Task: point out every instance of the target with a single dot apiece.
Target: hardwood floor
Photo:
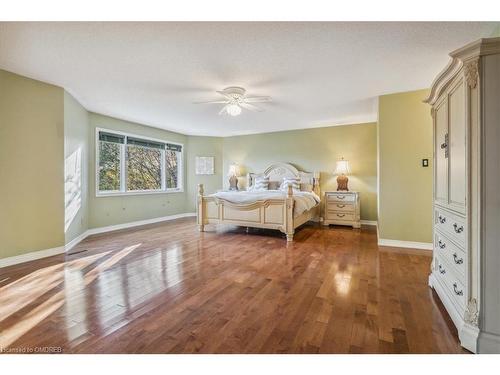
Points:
(166, 288)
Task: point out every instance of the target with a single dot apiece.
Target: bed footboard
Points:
(268, 213)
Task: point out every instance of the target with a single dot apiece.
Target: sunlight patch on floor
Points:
(52, 304)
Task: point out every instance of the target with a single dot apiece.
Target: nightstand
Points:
(342, 208)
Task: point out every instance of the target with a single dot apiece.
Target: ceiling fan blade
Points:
(213, 102)
(257, 99)
(223, 110)
(251, 107)
(226, 95)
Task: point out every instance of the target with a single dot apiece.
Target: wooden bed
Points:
(275, 213)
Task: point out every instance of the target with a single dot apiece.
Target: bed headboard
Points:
(277, 171)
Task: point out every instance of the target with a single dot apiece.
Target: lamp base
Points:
(342, 181)
(233, 183)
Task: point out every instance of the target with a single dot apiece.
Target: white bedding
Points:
(303, 200)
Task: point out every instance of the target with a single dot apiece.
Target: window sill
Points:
(121, 194)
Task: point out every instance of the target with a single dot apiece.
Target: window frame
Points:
(123, 167)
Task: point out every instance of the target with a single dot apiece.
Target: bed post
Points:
(289, 229)
(201, 213)
(317, 190)
(316, 187)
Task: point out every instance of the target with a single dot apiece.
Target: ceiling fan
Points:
(235, 99)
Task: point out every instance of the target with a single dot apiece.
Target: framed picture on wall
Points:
(204, 165)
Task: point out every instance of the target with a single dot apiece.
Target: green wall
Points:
(39, 178)
(76, 163)
(314, 150)
(105, 211)
(31, 167)
(405, 187)
(203, 146)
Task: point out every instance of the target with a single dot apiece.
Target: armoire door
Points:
(441, 152)
(457, 131)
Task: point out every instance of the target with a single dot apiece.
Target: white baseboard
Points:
(75, 241)
(5, 262)
(468, 336)
(34, 255)
(369, 222)
(489, 343)
(405, 244)
(132, 224)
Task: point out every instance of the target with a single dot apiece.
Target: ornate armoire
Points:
(465, 100)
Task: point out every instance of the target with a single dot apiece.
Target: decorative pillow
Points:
(294, 181)
(306, 187)
(261, 183)
(274, 185)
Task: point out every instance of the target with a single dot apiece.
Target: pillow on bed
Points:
(274, 185)
(261, 183)
(306, 187)
(294, 181)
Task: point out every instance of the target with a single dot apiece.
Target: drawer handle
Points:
(340, 215)
(441, 244)
(340, 205)
(457, 228)
(457, 292)
(457, 261)
(442, 270)
(442, 219)
(340, 196)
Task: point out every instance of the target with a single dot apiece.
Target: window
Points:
(109, 161)
(131, 164)
(172, 158)
(143, 165)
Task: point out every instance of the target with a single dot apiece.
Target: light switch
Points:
(425, 162)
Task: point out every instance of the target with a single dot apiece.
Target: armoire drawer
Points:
(451, 224)
(452, 253)
(453, 283)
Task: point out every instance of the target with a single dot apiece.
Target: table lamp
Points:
(234, 172)
(342, 169)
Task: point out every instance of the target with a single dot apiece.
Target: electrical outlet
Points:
(425, 162)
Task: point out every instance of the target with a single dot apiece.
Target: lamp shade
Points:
(342, 167)
(234, 170)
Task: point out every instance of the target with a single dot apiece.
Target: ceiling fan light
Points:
(233, 109)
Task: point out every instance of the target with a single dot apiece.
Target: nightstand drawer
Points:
(339, 216)
(342, 207)
(340, 197)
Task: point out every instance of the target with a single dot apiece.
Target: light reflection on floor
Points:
(22, 292)
(158, 272)
(56, 275)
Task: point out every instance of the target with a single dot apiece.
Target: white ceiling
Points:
(318, 74)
